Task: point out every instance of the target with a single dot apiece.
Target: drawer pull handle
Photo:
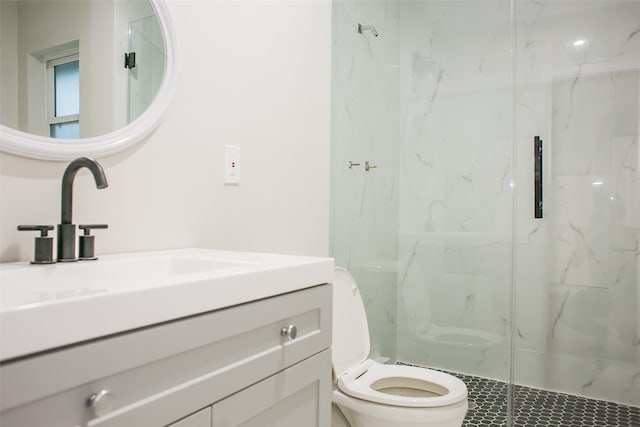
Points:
(101, 403)
(290, 332)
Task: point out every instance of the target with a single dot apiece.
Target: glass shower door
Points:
(577, 267)
(458, 270)
(145, 39)
(364, 200)
(456, 190)
(428, 233)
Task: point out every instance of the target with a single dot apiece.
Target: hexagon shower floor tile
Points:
(540, 408)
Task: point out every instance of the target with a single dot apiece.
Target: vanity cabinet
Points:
(201, 418)
(238, 366)
(291, 398)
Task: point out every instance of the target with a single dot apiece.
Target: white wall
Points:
(254, 74)
(8, 65)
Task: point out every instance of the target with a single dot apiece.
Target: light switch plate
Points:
(232, 164)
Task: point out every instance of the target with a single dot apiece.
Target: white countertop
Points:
(47, 306)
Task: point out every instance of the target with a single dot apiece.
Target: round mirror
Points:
(82, 78)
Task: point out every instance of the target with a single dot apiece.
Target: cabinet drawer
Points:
(166, 371)
(199, 419)
(299, 396)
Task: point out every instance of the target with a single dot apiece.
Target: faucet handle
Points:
(86, 247)
(43, 253)
(88, 227)
(43, 229)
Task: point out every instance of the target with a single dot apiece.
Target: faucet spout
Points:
(66, 229)
(67, 183)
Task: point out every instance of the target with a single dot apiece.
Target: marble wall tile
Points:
(457, 353)
(574, 374)
(584, 252)
(453, 281)
(577, 269)
(455, 203)
(625, 189)
(453, 317)
(592, 322)
(531, 298)
(577, 101)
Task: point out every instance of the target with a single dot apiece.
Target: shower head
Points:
(371, 28)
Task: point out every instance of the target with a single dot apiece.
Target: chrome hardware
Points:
(368, 166)
(290, 332)
(351, 164)
(101, 403)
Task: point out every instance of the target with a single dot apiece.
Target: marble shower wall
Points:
(436, 102)
(577, 288)
(365, 127)
(456, 198)
(576, 270)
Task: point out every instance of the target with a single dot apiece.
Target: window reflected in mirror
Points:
(62, 73)
(63, 85)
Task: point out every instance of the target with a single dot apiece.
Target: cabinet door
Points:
(298, 396)
(199, 419)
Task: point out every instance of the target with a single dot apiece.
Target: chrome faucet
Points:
(67, 230)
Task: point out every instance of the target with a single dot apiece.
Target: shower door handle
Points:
(537, 177)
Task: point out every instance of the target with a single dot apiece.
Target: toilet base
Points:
(360, 413)
(337, 417)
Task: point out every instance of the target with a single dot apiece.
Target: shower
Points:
(460, 267)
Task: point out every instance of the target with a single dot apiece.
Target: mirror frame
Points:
(24, 144)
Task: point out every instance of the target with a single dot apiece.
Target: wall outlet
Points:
(232, 164)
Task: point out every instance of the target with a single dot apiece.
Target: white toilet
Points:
(371, 394)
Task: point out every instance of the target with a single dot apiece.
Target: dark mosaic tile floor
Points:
(541, 408)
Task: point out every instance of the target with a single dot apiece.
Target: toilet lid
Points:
(351, 343)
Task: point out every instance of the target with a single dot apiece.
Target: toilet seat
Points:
(366, 381)
(362, 378)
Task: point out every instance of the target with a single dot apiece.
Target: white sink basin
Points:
(47, 306)
(30, 284)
